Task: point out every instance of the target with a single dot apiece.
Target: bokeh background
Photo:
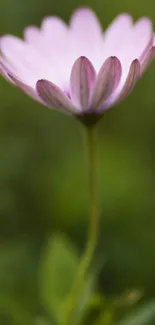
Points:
(43, 178)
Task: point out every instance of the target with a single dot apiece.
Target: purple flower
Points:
(78, 69)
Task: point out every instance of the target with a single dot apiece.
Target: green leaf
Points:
(18, 287)
(14, 312)
(93, 310)
(57, 274)
(144, 315)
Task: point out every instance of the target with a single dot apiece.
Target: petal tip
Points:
(83, 58)
(40, 82)
(115, 58)
(82, 10)
(81, 14)
(135, 65)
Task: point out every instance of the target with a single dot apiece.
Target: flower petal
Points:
(10, 76)
(82, 20)
(116, 35)
(146, 50)
(25, 60)
(142, 37)
(53, 96)
(82, 81)
(107, 81)
(50, 24)
(5, 69)
(32, 35)
(147, 60)
(15, 50)
(137, 43)
(25, 88)
(86, 36)
(133, 76)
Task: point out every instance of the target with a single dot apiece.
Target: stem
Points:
(94, 205)
(93, 228)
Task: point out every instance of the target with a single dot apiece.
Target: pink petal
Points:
(32, 34)
(20, 56)
(51, 24)
(133, 76)
(14, 49)
(86, 35)
(127, 41)
(25, 88)
(5, 69)
(147, 60)
(50, 42)
(143, 34)
(53, 96)
(82, 81)
(137, 43)
(7, 73)
(83, 19)
(116, 35)
(55, 36)
(30, 63)
(107, 81)
(57, 48)
(146, 50)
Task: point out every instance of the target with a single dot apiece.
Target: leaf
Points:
(14, 312)
(144, 315)
(90, 299)
(93, 310)
(18, 287)
(57, 274)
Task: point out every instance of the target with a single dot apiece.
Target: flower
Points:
(78, 69)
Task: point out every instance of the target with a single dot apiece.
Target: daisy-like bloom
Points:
(78, 69)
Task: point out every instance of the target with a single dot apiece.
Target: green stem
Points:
(93, 228)
(94, 204)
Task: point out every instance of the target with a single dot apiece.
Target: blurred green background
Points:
(43, 177)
